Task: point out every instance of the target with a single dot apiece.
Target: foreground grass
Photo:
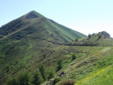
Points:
(101, 71)
(100, 77)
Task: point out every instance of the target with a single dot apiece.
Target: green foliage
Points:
(12, 81)
(42, 71)
(56, 80)
(7, 69)
(67, 82)
(50, 74)
(45, 55)
(76, 40)
(89, 36)
(99, 37)
(59, 64)
(73, 57)
(24, 78)
(37, 78)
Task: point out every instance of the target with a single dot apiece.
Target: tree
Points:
(76, 40)
(50, 74)
(89, 36)
(99, 37)
(56, 80)
(23, 78)
(59, 64)
(73, 57)
(7, 69)
(42, 71)
(37, 78)
(12, 81)
(44, 55)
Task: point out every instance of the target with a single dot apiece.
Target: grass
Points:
(94, 40)
(101, 77)
(24, 49)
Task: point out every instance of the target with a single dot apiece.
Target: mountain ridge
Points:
(34, 17)
(25, 40)
(34, 40)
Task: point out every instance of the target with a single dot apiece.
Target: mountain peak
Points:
(32, 14)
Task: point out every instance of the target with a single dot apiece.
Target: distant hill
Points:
(98, 39)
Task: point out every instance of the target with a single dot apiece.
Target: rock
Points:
(50, 82)
(106, 35)
(61, 74)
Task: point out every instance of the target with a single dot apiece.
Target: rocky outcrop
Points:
(105, 34)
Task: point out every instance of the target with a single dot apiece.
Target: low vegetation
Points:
(67, 82)
(35, 50)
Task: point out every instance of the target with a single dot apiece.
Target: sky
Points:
(85, 16)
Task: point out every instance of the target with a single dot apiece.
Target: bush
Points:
(37, 78)
(50, 74)
(59, 64)
(12, 81)
(24, 78)
(73, 57)
(45, 55)
(99, 37)
(67, 82)
(7, 69)
(76, 40)
(42, 71)
(56, 80)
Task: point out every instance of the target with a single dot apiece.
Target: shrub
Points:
(12, 81)
(67, 82)
(76, 40)
(59, 64)
(37, 78)
(7, 69)
(56, 80)
(50, 74)
(99, 37)
(23, 78)
(73, 57)
(89, 36)
(45, 55)
(42, 71)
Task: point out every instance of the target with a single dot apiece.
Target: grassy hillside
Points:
(99, 39)
(88, 64)
(37, 21)
(25, 41)
(32, 41)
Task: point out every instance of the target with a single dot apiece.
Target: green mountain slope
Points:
(33, 40)
(24, 41)
(39, 23)
(99, 39)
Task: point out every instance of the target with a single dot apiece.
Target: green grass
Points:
(99, 76)
(94, 40)
(24, 49)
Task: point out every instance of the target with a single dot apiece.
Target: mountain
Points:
(25, 41)
(36, 24)
(35, 50)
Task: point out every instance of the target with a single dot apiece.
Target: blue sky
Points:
(85, 16)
